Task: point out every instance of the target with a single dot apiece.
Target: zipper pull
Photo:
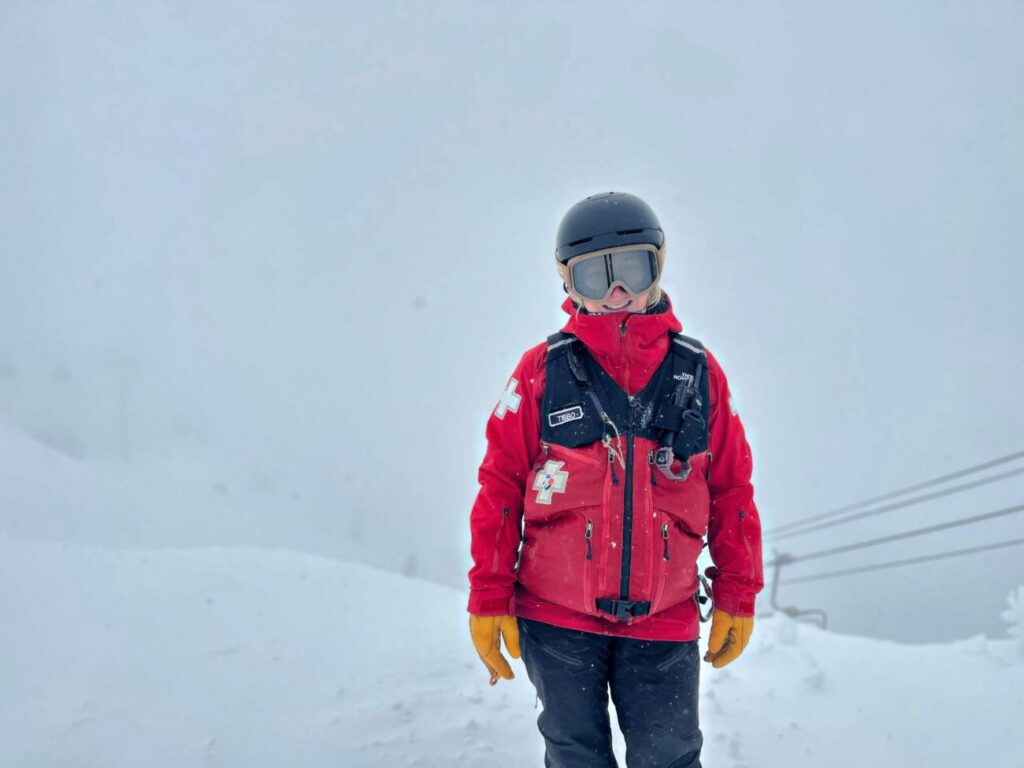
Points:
(650, 460)
(545, 449)
(587, 535)
(611, 461)
(664, 535)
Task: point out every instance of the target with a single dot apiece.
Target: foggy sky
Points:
(314, 240)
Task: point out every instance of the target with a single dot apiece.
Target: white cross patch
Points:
(509, 400)
(550, 479)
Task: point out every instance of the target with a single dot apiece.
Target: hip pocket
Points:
(556, 642)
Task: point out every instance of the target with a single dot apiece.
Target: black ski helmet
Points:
(606, 220)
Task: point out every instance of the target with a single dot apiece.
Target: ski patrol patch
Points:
(550, 479)
(509, 400)
(564, 416)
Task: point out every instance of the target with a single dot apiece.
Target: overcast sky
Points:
(316, 238)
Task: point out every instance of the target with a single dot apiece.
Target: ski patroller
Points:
(613, 453)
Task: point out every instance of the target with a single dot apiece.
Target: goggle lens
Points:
(595, 276)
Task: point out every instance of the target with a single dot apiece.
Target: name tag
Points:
(564, 416)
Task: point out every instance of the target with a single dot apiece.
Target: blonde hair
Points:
(654, 298)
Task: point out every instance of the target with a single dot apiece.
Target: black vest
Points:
(582, 404)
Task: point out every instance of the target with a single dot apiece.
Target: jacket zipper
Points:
(623, 355)
(497, 540)
(627, 505)
(664, 535)
(746, 543)
(578, 456)
(587, 535)
(627, 520)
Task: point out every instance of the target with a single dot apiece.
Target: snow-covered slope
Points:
(248, 657)
(239, 657)
(118, 650)
(182, 501)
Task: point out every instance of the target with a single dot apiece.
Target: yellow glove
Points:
(729, 636)
(487, 632)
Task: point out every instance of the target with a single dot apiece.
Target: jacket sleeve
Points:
(513, 440)
(734, 530)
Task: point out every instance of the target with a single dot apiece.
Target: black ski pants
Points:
(654, 685)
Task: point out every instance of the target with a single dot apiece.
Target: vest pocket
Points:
(688, 501)
(558, 559)
(679, 512)
(675, 569)
(564, 479)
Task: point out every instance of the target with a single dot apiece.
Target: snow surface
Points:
(120, 652)
(236, 656)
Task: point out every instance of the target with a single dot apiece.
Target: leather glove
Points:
(729, 636)
(487, 632)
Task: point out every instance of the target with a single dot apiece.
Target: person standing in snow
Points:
(613, 452)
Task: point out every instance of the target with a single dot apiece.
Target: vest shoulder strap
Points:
(560, 345)
(559, 341)
(687, 342)
(683, 414)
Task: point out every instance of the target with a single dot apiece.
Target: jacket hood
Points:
(628, 345)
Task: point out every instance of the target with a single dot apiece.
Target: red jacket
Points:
(667, 520)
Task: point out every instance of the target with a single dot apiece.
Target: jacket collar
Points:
(630, 356)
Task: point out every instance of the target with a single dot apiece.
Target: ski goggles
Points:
(595, 275)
